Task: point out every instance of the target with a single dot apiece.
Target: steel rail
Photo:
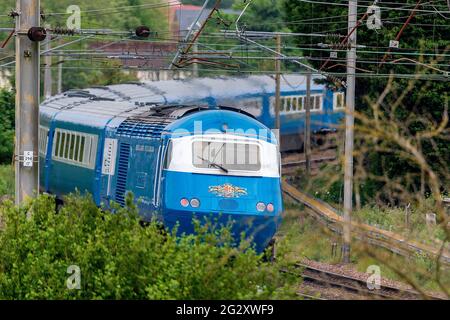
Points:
(359, 286)
(379, 237)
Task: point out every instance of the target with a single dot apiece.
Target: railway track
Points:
(375, 236)
(353, 285)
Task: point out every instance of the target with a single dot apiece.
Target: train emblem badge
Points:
(228, 191)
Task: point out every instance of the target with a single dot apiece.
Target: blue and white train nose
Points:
(223, 178)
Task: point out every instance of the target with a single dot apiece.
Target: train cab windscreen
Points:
(226, 156)
(223, 155)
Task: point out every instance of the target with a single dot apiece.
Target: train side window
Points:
(43, 140)
(67, 145)
(75, 148)
(339, 101)
(288, 104)
(283, 101)
(57, 142)
(300, 104)
(62, 144)
(318, 103)
(168, 157)
(312, 100)
(294, 103)
(82, 146)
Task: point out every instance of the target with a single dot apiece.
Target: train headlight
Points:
(195, 203)
(184, 202)
(270, 207)
(261, 207)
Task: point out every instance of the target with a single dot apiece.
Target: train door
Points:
(133, 170)
(141, 179)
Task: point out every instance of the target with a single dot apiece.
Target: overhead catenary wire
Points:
(417, 76)
(297, 51)
(367, 6)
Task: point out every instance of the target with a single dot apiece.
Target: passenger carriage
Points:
(179, 162)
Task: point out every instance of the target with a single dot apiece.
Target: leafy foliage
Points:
(414, 106)
(6, 125)
(6, 181)
(120, 259)
(262, 15)
(119, 15)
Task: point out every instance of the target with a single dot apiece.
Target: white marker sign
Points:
(394, 44)
(28, 158)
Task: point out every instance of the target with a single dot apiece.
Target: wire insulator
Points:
(14, 13)
(65, 31)
(142, 31)
(333, 38)
(37, 34)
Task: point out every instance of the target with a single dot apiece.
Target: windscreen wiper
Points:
(213, 164)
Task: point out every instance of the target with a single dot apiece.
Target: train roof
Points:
(97, 106)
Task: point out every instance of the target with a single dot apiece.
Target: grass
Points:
(327, 185)
(394, 219)
(303, 236)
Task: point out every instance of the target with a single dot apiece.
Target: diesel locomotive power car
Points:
(179, 161)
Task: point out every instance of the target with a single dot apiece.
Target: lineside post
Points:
(60, 66)
(278, 88)
(349, 129)
(27, 102)
(48, 81)
(307, 135)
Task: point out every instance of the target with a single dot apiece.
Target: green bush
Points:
(120, 259)
(6, 180)
(6, 125)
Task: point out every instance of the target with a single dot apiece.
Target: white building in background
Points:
(180, 18)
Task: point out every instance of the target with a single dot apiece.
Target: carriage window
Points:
(339, 100)
(226, 156)
(312, 100)
(168, 157)
(43, 140)
(300, 103)
(75, 148)
(318, 103)
(294, 103)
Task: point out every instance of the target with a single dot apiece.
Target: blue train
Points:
(200, 147)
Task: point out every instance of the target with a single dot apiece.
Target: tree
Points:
(120, 15)
(262, 15)
(224, 4)
(6, 125)
(421, 109)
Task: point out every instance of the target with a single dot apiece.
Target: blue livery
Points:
(193, 148)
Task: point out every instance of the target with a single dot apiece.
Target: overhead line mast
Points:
(27, 99)
(349, 128)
